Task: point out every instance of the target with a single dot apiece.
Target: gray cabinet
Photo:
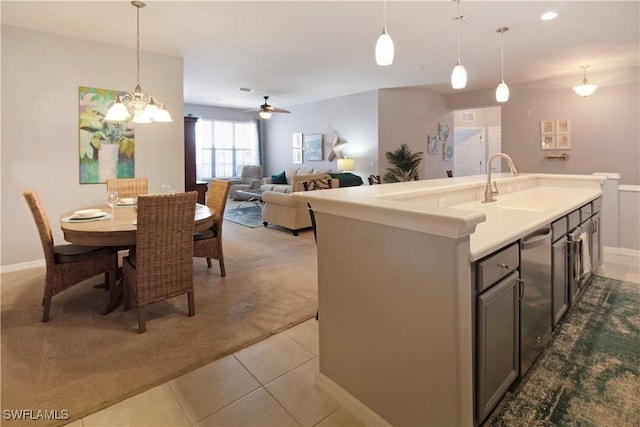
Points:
(497, 327)
(559, 279)
(498, 342)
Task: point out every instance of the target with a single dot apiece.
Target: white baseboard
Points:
(356, 408)
(622, 251)
(22, 266)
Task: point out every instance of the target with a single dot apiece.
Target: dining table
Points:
(117, 229)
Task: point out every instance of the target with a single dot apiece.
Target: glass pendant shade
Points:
(118, 112)
(585, 89)
(459, 77)
(384, 49)
(265, 114)
(502, 92)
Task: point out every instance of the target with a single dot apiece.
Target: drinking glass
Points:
(112, 199)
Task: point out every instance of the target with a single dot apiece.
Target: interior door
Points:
(469, 149)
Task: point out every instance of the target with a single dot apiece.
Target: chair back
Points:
(217, 201)
(128, 187)
(42, 224)
(164, 245)
(374, 179)
(450, 174)
(250, 172)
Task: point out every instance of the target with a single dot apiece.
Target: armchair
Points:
(250, 177)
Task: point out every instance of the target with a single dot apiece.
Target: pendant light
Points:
(502, 91)
(384, 45)
(145, 108)
(459, 74)
(585, 89)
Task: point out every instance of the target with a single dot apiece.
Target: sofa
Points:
(293, 176)
(280, 208)
(250, 178)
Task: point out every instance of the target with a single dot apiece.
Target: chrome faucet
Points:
(488, 191)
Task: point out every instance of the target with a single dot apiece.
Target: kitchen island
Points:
(397, 286)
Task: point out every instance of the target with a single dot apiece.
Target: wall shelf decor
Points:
(556, 156)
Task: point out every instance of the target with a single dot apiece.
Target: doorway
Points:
(476, 136)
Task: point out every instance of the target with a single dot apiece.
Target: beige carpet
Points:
(81, 361)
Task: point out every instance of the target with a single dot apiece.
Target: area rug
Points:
(80, 362)
(248, 215)
(590, 374)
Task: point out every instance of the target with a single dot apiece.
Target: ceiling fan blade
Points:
(278, 110)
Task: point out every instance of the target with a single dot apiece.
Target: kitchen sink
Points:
(533, 204)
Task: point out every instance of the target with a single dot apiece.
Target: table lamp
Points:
(346, 165)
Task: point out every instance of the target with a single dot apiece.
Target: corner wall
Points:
(41, 74)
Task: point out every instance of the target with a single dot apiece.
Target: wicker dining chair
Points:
(68, 265)
(208, 244)
(128, 187)
(161, 266)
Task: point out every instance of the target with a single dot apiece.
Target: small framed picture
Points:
(563, 142)
(547, 127)
(297, 156)
(432, 144)
(563, 127)
(443, 131)
(297, 140)
(548, 142)
(447, 152)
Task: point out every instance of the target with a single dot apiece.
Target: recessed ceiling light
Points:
(547, 16)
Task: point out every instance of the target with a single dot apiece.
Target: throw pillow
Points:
(280, 178)
(317, 184)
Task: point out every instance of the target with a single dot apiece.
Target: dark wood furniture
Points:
(190, 183)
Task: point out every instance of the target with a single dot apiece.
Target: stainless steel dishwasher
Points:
(535, 296)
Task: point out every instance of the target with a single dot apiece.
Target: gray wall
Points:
(41, 75)
(605, 128)
(408, 115)
(353, 117)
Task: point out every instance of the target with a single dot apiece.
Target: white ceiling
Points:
(304, 51)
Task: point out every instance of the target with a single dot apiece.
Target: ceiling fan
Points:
(266, 110)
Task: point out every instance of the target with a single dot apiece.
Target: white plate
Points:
(127, 202)
(87, 213)
(98, 214)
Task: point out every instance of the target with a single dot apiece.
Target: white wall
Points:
(353, 117)
(41, 74)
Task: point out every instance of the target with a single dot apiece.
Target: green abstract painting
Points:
(106, 148)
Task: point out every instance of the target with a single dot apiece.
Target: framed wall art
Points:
(297, 140)
(297, 156)
(563, 127)
(547, 127)
(443, 131)
(312, 146)
(432, 144)
(107, 149)
(548, 142)
(447, 152)
(563, 142)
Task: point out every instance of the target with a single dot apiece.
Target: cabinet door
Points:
(596, 256)
(498, 314)
(559, 280)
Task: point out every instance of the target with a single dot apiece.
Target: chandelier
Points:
(145, 108)
(585, 89)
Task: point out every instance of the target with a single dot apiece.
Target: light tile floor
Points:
(270, 383)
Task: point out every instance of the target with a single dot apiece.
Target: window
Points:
(222, 146)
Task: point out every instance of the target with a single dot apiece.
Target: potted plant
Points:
(405, 164)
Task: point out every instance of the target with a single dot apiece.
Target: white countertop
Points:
(452, 207)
